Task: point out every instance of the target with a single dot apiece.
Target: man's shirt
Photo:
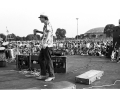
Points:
(47, 35)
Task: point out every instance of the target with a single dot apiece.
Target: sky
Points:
(21, 16)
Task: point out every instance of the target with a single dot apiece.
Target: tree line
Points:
(60, 34)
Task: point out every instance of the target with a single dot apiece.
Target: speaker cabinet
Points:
(59, 63)
(32, 62)
(23, 62)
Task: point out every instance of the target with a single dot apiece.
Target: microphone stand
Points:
(30, 55)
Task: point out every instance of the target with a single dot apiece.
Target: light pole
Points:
(7, 33)
(77, 27)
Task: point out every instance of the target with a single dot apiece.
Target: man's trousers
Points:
(45, 62)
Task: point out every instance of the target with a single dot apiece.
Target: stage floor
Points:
(10, 78)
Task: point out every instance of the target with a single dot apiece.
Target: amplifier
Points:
(22, 62)
(58, 52)
(34, 62)
(59, 63)
(3, 63)
(89, 77)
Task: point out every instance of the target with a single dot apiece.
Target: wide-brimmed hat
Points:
(43, 16)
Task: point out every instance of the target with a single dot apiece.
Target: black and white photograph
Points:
(59, 44)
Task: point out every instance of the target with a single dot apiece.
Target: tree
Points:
(37, 37)
(32, 37)
(108, 30)
(3, 36)
(11, 37)
(77, 37)
(29, 37)
(18, 38)
(86, 36)
(60, 33)
(81, 36)
(54, 38)
(23, 38)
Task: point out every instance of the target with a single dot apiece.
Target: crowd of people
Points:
(86, 47)
(68, 47)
